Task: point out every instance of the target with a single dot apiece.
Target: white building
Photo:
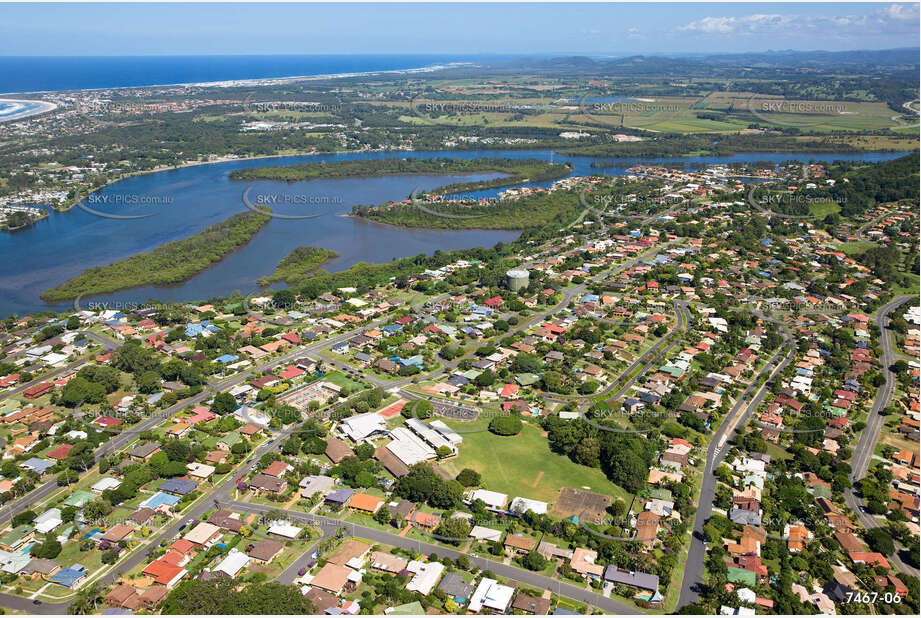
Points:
(235, 562)
(426, 576)
(491, 594)
(521, 506)
(362, 426)
(492, 499)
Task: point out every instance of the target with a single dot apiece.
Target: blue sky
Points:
(510, 28)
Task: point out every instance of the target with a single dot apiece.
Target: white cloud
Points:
(892, 18)
(634, 33)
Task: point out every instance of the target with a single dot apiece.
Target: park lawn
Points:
(912, 289)
(823, 209)
(341, 380)
(893, 440)
(778, 452)
(855, 248)
(512, 464)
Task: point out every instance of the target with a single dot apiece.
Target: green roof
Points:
(820, 491)
(230, 439)
(674, 372)
(741, 576)
(659, 493)
(15, 536)
(412, 609)
(527, 379)
(79, 498)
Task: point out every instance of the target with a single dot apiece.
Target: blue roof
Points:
(226, 358)
(69, 576)
(392, 328)
(178, 486)
(590, 298)
(159, 499)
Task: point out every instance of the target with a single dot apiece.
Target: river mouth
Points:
(176, 204)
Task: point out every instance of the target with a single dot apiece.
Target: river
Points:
(180, 203)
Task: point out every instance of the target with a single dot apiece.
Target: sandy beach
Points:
(17, 109)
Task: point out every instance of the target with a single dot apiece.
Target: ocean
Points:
(19, 74)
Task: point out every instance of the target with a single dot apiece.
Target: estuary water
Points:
(180, 203)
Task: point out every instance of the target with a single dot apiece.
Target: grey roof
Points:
(143, 450)
(453, 585)
(745, 518)
(340, 496)
(41, 565)
(38, 465)
(178, 486)
(637, 579)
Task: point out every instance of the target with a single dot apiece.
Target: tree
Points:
(291, 446)
(314, 446)
(177, 450)
(364, 451)
(509, 425)
(880, 541)
(418, 408)
(25, 517)
(443, 451)
(485, 379)
(526, 363)
(80, 390)
(148, 382)
(87, 601)
(454, 530)
(283, 298)
(224, 403)
(533, 561)
(468, 477)
(382, 516)
(49, 549)
(109, 557)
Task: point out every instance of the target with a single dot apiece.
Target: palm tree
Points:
(86, 601)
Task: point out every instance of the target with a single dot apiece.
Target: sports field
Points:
(523, 465)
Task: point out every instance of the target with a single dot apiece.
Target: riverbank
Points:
(174, 262)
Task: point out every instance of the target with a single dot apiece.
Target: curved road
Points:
(866, 444)
(697, 553)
